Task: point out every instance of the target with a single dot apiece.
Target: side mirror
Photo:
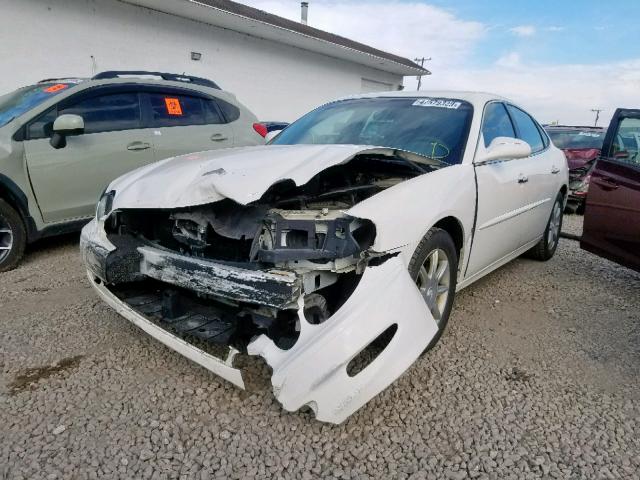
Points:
(505, 148)
(64, 126)
(271, 135)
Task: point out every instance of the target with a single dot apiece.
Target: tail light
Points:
(261, 129)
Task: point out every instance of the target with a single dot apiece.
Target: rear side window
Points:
(105, 113)
(496, 123)
(212, 113)
(527, 129)
(231, 112)
(175, 110)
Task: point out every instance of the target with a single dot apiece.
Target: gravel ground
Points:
(536, 377)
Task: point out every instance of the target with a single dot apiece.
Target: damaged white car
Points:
(335, 252)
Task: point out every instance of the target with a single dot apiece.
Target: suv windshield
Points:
(434, 127)
(24, 99)
(576, 139)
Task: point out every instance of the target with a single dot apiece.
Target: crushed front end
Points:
(291, 277)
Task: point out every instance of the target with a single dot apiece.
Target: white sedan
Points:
(335, 252)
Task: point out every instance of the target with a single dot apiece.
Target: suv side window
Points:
(168, 110)
(212, 115)
(527, 129)
(107, 113)
(231, 112)
(42, 126)
(496, 123)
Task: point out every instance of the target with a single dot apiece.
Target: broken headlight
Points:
(311, 235)
(105, 205)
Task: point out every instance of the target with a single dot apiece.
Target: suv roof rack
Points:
(174, 77)
(74, 79)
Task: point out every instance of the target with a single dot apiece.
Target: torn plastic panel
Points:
(314, 371)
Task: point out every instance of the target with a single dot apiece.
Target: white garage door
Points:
(373, 86)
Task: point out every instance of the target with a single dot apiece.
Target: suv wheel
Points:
(13, 237)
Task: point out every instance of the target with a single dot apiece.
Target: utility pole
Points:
(421, 61)
(597, 112)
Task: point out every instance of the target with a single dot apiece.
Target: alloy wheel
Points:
(433, 282)
(6, 239)
(554, 226)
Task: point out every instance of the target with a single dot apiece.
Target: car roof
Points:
(573, 127)
(475, 98)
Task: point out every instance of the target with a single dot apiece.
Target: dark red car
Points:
(612, 215)
(581, 146)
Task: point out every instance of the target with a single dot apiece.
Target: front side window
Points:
(527, 129)
(496, 123)
(175, 110)
(105, 113)
(626, 143)
(24, 99)
(434, 127)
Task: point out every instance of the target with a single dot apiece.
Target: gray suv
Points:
(62, 141)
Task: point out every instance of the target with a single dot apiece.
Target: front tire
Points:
(434, 268)
(13, 237)
(546, 247)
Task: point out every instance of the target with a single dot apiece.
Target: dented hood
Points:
(240, 174)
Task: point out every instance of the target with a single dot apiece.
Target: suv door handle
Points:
(218, 137)
(135, 146)
(555, 170)
(522, 179)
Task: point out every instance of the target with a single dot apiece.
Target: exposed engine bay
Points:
(249, 265)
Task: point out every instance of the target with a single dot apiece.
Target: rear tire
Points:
(436, 281)
(13, 237)
(546, 247)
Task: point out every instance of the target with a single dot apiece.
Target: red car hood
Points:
(579, 157)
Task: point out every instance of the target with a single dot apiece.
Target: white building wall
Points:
(56, 38)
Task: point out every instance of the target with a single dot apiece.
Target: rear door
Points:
(612, 214)
(68, 181)
(185, 123)
(540, 171)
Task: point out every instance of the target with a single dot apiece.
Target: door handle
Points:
(218, 137)
(555, 170)
(605, 183)
(522, 179)
(135, 146)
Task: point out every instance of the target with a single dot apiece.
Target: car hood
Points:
(240, 174)
(579, 157)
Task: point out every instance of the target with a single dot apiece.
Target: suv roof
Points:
(171, 77)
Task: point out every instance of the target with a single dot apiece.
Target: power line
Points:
(597, 112)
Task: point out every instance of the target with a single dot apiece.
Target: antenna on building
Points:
(304, 12)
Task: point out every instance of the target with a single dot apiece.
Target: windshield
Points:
(576, 139)
(24, 99)
(434, 127)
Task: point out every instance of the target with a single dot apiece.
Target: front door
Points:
(503, 210)
(68, 181)
(612, 214)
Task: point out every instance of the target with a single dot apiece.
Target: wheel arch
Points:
(11, 193)
(454, 228)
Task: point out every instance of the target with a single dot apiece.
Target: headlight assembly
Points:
(105, 205)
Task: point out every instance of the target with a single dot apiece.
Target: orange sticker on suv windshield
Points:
(56, 88)
(173, 106)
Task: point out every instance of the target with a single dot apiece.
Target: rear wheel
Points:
(434, 268)
(13, 237)
(546, 247)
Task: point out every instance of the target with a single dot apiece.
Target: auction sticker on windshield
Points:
(436, 102)
(173, 106)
